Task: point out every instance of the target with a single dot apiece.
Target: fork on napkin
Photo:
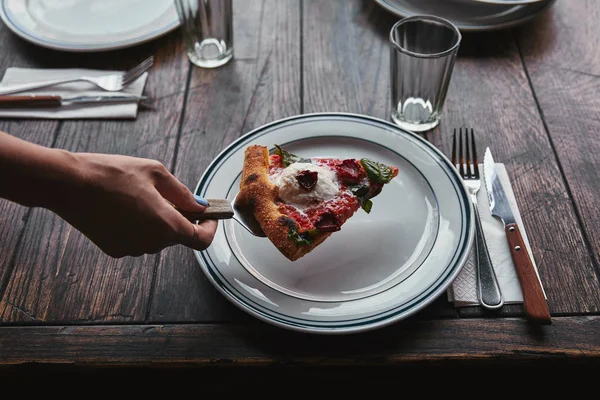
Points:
(127, 110)
(463, 291)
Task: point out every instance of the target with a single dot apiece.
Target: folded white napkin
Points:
(463, 291)
(76, 111)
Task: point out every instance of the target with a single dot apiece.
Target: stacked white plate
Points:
(472, 15)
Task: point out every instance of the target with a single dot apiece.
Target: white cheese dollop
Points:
(292, 193)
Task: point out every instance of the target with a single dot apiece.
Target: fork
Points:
(489, 292)
(110, 82)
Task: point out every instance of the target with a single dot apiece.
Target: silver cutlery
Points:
(223, 209)
(534, 300)
(114, 82)
(488, 289)
(27, 101)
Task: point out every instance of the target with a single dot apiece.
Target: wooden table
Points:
(531, 93)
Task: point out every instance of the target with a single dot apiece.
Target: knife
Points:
(57, 101)
(534, 300)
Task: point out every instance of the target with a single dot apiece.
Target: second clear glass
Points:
(207, 27)
(423, 51)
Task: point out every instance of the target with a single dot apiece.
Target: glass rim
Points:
(443, 21)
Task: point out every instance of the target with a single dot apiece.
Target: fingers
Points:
(197, 236)
(187, 233)
(203, 236)
(178, 194)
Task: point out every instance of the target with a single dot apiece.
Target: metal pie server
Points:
(223, 209)
(534, 300)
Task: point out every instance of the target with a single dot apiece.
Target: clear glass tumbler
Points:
(207, 27)
(423, 50)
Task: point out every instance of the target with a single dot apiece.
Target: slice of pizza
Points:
(299, 202)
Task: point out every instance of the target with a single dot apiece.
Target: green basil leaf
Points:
(362, 193)
(376, 171)
(288, 158)
(367, 205)
(360, 190)
(304, 238)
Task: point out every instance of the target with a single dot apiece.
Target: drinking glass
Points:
(207, 27)
(423, 50)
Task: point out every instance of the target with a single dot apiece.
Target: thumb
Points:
(202, 236)
(197, 236)
(178, 194)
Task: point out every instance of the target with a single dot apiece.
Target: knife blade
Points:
(534, 300)
(23, 101)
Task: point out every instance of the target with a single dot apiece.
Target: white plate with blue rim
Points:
(88, 25)
(381, 267)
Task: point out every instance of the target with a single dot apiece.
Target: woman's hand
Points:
(125, 206)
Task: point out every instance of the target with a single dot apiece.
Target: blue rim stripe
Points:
(335, 301)
(251, 306)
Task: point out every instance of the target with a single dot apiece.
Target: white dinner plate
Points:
(469, 15)
(381, 267)
(88, 25)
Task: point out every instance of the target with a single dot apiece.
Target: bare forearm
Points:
(34, 175)
(123, 204)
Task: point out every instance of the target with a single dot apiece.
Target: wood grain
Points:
(561, 52)
(255, 344)
(59, 275)
(13, 217)
(346, 57)
(346, 68)
(261, 84)
(490, 92)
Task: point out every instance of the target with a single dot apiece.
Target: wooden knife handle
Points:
(217, 209)
(534, 301)
(29, 101)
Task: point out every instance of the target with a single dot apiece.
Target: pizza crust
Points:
(259, 194)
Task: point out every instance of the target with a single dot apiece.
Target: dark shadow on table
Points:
(540, 34)
(481, 44)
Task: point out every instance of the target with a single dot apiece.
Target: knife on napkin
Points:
(24, 101)
(534, 300)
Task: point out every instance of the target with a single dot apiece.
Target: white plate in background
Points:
(469, 15)
(88, 25)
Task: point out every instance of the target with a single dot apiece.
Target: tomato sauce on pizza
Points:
(299, 201)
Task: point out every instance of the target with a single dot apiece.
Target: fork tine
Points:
(474, 151)
(460, 154)
(454, 149)
(141, 65)
(468, 156)
(132, 71)
(137, 71)
(132, 78)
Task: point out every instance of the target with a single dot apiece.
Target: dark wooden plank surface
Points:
(260, 85)
(561, 53)
(57, 273)
(490, 92)
(256, 344)
(349, 72)
(530, 93)
(12, 216)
